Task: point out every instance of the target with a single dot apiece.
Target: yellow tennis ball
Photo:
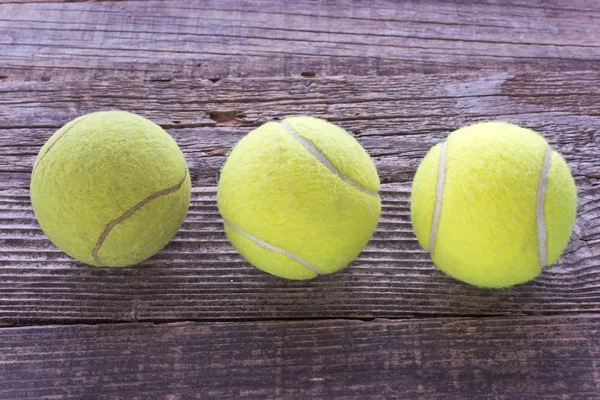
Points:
(493, 204)
(110, 188)
(299, 198)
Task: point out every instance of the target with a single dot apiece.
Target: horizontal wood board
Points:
(451, 358)
(199, 276)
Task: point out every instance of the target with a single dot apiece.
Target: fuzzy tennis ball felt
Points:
(299, 198)
(110, 188)
(493, 204)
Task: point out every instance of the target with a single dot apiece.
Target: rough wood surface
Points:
(219, 38)
(533, 358)
(396, 118)
(399, 76)
(199, 276)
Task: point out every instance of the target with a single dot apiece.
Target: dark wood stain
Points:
(505, 358)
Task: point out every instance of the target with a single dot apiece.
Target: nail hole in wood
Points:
(161, 79)
(227, 118)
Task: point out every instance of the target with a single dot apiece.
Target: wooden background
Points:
(196, 321)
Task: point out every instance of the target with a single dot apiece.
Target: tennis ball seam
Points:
(542, 230)
(53, 143)
(132, 210)
(270, 247)
(439, 190)
(315, 152)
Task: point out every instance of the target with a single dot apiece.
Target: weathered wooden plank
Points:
(507, 358)
(199, 276)
(397, 118)
(215, 39)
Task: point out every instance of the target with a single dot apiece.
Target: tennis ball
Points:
(493, 204)
(110, 188)
(299, 198)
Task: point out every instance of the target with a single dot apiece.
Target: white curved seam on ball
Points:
(324, 160)
(542, 229)
(439, 191)
(270, 247)
(53, 143)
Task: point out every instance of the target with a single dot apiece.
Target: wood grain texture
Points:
(199, 276)
(525, 358)
(222, 38)
(399, 76)
(396, 118)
